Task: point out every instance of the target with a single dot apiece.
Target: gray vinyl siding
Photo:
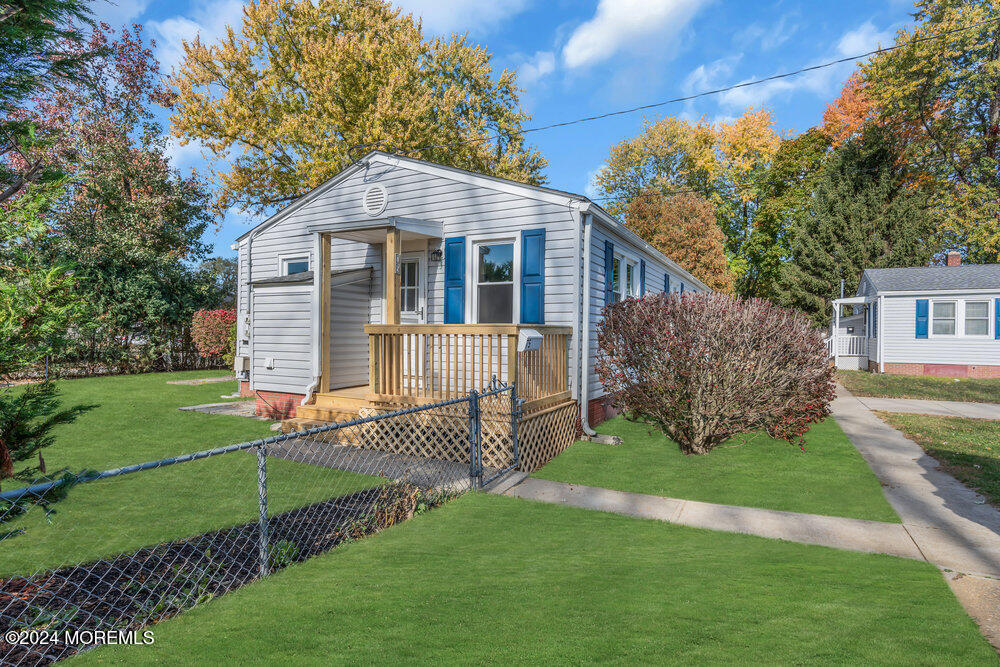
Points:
(281, 331)
(349, 312)
(242, 302)
(898, 326)
(655, 270)
(462, 208)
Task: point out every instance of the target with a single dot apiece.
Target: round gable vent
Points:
(375, 200)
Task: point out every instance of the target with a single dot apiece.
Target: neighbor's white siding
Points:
(898, 326)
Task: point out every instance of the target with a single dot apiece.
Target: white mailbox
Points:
(528, 340)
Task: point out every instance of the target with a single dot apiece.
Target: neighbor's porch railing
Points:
(426, 362)
(848, 346)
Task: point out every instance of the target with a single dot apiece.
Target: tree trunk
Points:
(6, 462)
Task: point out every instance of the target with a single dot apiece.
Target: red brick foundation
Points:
(943, 370)
(277, 404)
(599, 410)
(245, 388)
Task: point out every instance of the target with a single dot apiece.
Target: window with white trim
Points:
(625, 278)
(494, 274)
(292, 265)
(977, 318)
(943, 318)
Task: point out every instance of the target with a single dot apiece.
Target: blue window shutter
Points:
(874, 320)
(533, 276)
(642, 277)
(682, 288)
(996, 319)
(922, 318)
(454, 280)
(666, 282)
(609, 272)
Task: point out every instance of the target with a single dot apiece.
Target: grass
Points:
(883, 385)
(497, 580)
(137, 420)
(969, 449)
(830, 477)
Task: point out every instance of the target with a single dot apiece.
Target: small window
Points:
(977, 318)
(630, 279)
(944, 318)
(292, 265)
(495, 283)
(616, 280)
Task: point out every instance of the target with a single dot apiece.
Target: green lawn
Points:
(497, 580)
(969, 449)
(883, 385)
(830, 477)
(138, 421)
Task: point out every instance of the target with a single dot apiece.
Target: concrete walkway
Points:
(944, 408)
(827, 531)
(951, 524)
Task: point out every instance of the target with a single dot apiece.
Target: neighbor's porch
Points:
(855, 347)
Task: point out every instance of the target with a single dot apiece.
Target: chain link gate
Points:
(275, 501)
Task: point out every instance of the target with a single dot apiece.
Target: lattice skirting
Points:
(443, 434)
(543, 435)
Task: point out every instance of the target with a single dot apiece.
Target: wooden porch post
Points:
(391, 276)
(322, 278)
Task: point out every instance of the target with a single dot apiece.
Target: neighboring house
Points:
(932, 320)
(480, 271)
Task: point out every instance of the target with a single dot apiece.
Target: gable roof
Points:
(504, 184)
(935, 278)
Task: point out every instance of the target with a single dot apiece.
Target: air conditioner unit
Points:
(241, 364)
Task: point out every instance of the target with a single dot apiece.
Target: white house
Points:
(931, 320)
(401, 281)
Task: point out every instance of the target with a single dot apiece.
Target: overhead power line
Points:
(694, 96)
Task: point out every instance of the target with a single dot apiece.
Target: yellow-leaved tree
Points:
(305, 87)
(728, 164)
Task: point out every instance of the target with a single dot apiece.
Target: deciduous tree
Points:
(303, 88)
(684, 228)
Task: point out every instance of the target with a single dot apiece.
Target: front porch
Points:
(854, 347)
(409, 361)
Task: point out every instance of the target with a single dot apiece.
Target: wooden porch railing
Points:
(427, 362)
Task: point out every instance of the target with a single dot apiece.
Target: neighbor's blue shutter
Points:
(533, 276)
(666, 282)
(454, 280)
(922, 318)
(996, 319)
(609, 272)
(874, 332)
(642, 277)
(682, 288)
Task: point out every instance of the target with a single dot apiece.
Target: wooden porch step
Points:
(326, 414)
(343, 401)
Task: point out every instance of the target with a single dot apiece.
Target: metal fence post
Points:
(475, 444)
(262, 506)
(515, 412)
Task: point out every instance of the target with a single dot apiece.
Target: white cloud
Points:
(536, 68)
(707, 77)
(863, 39)
(820, 82)
(208, 21)
(447, 16)
(620, 25)
(590, 189)
(767, 37)
(179, 156)
(119, 12)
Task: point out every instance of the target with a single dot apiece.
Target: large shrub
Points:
(705, 367)
(211, 330)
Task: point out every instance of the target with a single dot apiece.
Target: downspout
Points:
(588, 220)
(317, 307)
(878, 331)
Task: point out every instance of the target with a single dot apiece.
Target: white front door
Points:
(412, 279)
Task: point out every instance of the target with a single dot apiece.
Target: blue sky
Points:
(580, 58)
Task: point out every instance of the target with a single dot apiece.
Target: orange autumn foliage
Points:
(684, 228)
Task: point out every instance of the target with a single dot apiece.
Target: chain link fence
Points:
(97, 570)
